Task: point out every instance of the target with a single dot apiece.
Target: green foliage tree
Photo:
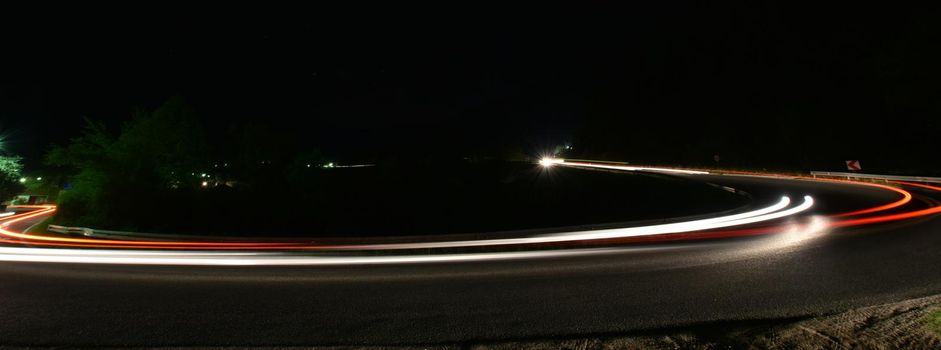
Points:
(119, 178)
(11, 168)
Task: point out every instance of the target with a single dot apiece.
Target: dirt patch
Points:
(905, 325)
(911, 324)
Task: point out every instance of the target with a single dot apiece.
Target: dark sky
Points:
(353, 80)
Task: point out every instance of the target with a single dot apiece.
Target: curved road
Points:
(610, 289)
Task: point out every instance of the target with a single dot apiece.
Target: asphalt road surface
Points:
(647, 286)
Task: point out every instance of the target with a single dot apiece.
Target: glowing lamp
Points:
(548, 162)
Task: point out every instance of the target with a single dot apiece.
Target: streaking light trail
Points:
(629, 168)
(771, 212)
(258, 253)
(894, 217)
(764, 214)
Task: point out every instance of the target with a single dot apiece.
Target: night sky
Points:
(653, 82)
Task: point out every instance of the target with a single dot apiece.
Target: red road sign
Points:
(853, 165)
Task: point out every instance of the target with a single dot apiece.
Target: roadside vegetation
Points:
(934, 321)
(41, 227)
(10, 174)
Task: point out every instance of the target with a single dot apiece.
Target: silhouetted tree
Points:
(10, 168)
(117, 178)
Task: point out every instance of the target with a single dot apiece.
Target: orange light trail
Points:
(906, 196)
(894, 217)
(56, 241)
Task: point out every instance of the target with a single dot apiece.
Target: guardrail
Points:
(877, 177)
(134, 236)
(84, 231)
(70, 230)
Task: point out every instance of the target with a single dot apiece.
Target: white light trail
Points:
(354, 166)
(778, 210)
(3, 215)
(215, 258)
(630, 168)
(691, 226)
(765, 214)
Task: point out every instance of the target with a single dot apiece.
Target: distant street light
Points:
(22, 180)
(205, 183)
(39, 178)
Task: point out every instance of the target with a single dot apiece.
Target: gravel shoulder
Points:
(910, 324)
(904, 325)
